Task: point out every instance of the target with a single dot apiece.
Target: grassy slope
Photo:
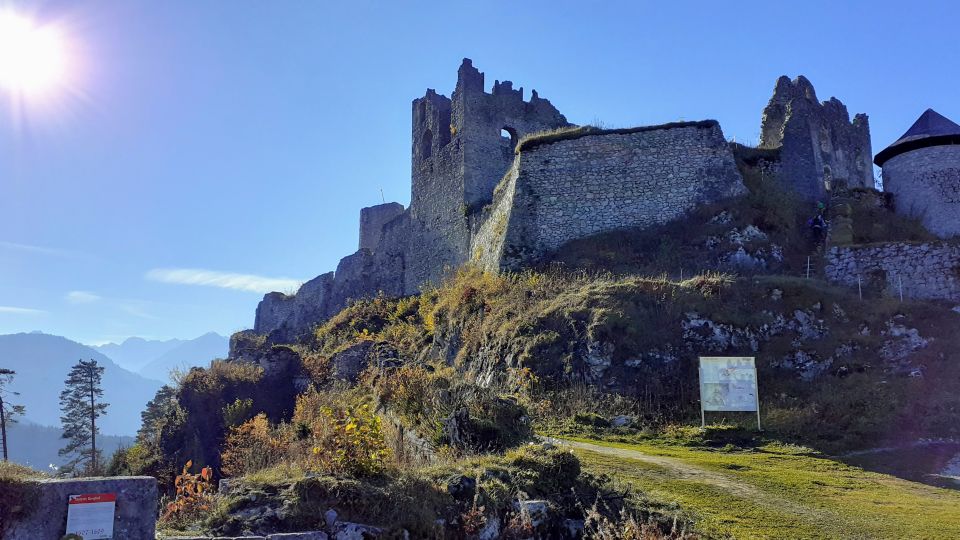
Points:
(773, 493)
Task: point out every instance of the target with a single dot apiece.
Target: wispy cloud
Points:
(224, 280)
(136, 311)
(21, 310)
(81, 297)
(38, 250)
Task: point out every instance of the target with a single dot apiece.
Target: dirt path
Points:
(677, 468)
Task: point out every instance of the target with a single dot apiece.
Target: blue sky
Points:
(241, 138)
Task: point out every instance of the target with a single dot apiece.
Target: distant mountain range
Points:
(155, 359)
(42, 362)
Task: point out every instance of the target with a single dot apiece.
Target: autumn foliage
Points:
(194, 495)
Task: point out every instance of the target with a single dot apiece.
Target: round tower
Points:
(922, 171)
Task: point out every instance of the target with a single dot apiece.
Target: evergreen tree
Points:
(8, 411)
(80, 405)
(153, 417)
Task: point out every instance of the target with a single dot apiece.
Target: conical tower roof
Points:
(931, 129)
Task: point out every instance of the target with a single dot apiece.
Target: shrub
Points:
(340, 437)
(194, 497)
(252, 446)
(237, 412)
(137, 460)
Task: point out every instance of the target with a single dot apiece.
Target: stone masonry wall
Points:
(372, 220)
(926, 183)
(929, 270)
(610, 180)
(819, 144)
(488, 242)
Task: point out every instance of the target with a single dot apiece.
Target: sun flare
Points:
(32, 57)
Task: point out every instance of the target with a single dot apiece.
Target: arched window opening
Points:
(509, 136)
(426, 144)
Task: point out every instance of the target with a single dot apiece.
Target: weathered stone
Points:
(346, 365)
(134, 519)
(461, 487)
(926, 270)
(330, 517)
(926, 185)
(315, 535)
(820, 148)
(536, 511)
(355, 531)
(491, 529)
(622, 420)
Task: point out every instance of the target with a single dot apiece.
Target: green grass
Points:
(781, 491)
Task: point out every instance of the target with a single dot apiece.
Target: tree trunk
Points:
(3, 429)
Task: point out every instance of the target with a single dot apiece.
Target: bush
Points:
(345, 437)
(194, 498)
(252, 446)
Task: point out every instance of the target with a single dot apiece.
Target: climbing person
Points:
(818, 224)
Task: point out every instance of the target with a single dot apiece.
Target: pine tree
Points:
(80, 405)
(8, 411)
(154, 416)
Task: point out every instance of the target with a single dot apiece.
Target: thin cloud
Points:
(82, 297)
(21, 310)
(135, 310)
(38, 250)
(223, 280)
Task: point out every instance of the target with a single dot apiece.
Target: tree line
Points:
(81, 405)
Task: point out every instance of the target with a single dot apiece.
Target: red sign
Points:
(93, 498)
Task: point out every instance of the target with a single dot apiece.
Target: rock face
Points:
(134, 519)
(928, 270)
(820, 148)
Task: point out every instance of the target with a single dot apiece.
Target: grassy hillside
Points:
(777, 491)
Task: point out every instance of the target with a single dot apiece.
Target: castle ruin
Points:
(820, 149)
(502, 182)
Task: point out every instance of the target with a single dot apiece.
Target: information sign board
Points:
(90, 515)
(728, 383)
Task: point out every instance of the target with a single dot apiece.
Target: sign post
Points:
(728, 383)
(90, 516)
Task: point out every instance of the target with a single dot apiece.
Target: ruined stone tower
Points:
(459, 154)
(820, 148)
(922, 170)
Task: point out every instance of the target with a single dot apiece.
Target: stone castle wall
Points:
(926, 184)
(604, 181)
(372, 220)
(928, 270)
(819, 146)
